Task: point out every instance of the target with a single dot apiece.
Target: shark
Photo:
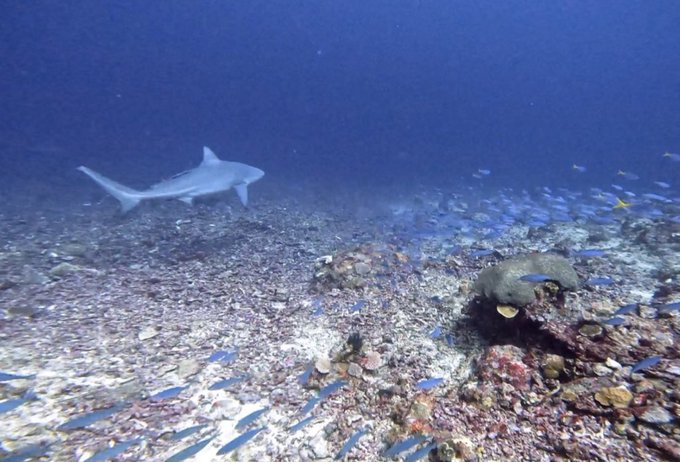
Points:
(212, 176)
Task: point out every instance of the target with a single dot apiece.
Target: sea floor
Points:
(368, 301)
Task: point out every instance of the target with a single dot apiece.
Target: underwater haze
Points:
(370, 92)
(350, 230)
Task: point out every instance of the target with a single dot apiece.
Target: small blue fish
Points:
(615, 321)
(668, 307)
(223, 356)
(90, 418)
(562, 217)
(304, 377)
(429, 383)
(310, 405)
(239, 441)
(603, 220)
(317, 304)
(113, 451)
(353, 440)
(672, 156)
(579, 168)
(403, 445)
(187, 432)
(537, 223)
(535, 277)
(420, 453)
(600, 281)
(436, 332)
(33, 451)
(588, 253)
(301, 424)
(168, 393)
(224, 383)
(250, 418)
(628, 175)
(358, 306)
(6, 377)
(482, 253)
(331, 388)
(656, 197)
(11, 404)
(449, 339)
(625, 309)
(645, 363)
(190, 451)
(491, 235)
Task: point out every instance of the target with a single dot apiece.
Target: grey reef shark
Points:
(212, 176)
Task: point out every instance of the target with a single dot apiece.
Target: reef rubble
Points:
(318, 328)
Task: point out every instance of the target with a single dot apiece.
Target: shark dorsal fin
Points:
(209, 157)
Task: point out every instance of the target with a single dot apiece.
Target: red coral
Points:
(420, 426)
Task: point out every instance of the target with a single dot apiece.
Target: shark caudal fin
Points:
(127, 197)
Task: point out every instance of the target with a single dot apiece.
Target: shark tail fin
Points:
(127, 197)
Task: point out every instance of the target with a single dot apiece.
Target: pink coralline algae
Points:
(504, 364)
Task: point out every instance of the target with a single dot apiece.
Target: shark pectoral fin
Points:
(127, 197)
(242, 191)
(187, 200)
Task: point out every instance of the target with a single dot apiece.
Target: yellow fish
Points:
(621, 204)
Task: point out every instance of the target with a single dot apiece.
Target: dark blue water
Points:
(361, 92)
